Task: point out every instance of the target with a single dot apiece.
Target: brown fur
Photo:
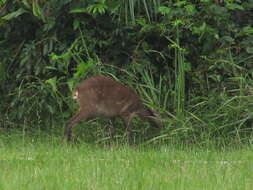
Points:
(103, 96)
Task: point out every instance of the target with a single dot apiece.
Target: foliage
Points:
(192, 60)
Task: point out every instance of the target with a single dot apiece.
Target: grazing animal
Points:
(102, 96)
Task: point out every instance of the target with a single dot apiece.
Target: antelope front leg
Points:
(72, 122)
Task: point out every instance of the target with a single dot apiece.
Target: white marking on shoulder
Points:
(75, 95)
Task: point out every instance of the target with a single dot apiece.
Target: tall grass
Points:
(179, 97)
(129, 10)
(217, 116)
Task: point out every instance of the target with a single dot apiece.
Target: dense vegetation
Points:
(191, 60)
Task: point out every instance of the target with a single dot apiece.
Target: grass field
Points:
(43, 162)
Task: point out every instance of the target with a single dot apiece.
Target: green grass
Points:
(43, 162)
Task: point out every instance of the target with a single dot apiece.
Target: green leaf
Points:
(50, 109)
(247, 30)
(36, 10)
(51, 68)
(218, 10)
(177, 22)
(187, 66)
(249, 50)
(228, 39)
(233, 6)
(83, 68)
(199, 30)
(70, 84)
(164, 10)
(80, 10)
(13, 14)
(52, 82)
(180, 3)
(64, 56)
(76, 24)
(26, 4)
(96, 9)
(190, 8)
(204, 1)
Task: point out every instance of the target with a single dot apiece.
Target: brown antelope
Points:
(103, 96)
